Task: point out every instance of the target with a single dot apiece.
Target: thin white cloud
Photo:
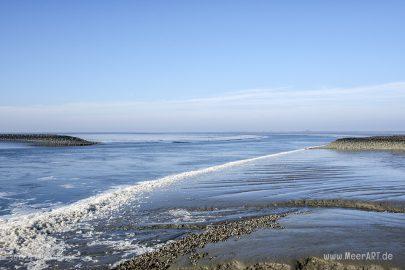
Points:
(375, 107)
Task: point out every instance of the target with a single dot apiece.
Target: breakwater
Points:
(396, 142)
(46, 139)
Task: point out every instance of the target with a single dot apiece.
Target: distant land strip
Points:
(45, 139)
(394, 143)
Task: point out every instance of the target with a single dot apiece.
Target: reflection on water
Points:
(40, 178)
(324, 231)
(310, 174)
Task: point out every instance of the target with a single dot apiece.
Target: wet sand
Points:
(319, 232)
(165, 256)
(310, 263)
(348, 204)
(245, 245)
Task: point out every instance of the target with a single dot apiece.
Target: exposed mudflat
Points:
(46, 139)
(166, 256)
(394, 143)
(350, 204)
(116, 201)
(311, 263)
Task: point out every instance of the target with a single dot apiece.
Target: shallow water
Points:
(322, 233)
(84, 206)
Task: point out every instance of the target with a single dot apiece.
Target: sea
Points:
(93, 207)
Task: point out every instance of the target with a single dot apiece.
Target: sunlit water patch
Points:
(97, 205)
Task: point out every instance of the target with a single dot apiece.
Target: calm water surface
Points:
(102, 230)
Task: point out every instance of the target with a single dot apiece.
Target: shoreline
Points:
(309, 263)
(46, 139)
(189, 247)
(164, 257)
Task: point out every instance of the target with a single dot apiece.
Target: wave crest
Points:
(33, 235)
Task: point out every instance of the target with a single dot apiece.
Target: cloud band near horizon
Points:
(282, 109)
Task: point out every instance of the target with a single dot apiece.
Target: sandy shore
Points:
(395, 143)
(45, 139)
(190, 249)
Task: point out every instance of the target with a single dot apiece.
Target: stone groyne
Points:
(394, 143)
(45, 139)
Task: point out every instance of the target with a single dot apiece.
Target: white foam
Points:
(32, 235)
(126, 246)
(67, 186)
(132, 249)
(5, 194)
(182, 215)
(46, 178)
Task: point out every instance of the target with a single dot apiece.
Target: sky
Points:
(69, 66)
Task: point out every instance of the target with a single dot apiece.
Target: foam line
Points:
(30, 235)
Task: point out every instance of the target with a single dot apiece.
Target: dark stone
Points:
(46, 139)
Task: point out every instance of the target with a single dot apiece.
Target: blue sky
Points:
(95, 64)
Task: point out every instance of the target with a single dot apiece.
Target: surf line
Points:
(97, 202)
(65, 218)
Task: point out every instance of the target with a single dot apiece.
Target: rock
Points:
(369, 143)
(46, 139)
(165, 256)
(340, 203)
